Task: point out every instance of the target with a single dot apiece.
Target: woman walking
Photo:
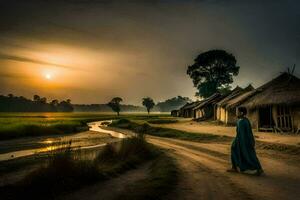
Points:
(243, 155)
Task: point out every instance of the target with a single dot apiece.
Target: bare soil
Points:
(204, 173)
(212, 128)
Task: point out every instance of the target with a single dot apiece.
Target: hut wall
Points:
(218, 113)
(188, 113)
(253, 118)
(230, 116)
(200, 113)
(209, 111)
(215, 112)
(223, 115)
(175, 113)
(296, 117)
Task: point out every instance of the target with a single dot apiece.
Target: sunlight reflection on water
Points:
(83, 141)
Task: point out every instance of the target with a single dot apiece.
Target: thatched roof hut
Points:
(284, 90)
(275, 106)
(226, 108)
(187, 109)
(205, 109)
(241, 97)
(175, 113)
(236, 91)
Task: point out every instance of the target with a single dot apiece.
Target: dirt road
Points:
(204, 173)
(212, 128)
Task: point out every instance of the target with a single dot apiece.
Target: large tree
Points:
(148, 103)
(114, 104)
(212, 70)
(36, 98)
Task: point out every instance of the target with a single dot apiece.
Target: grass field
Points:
(15, 125)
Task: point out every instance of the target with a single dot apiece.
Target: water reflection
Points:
(85, 140)
(96, 126)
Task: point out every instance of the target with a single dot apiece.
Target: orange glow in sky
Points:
(48, 76)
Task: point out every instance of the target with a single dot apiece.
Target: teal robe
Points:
(243, 153)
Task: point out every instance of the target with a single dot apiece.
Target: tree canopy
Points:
(114, 104)
(172, 104)
(212, 70)
(148, 103)
(11, 103)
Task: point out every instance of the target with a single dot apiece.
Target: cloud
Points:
(13, 75)
(34, 61)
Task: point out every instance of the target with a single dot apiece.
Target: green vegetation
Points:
(172, 104)
(131, 152)
(16, 125)
(145, 128)
(38, 129)
(213, 71)
(13, 103)
(68, 170)
(148, 103)
(115, 104)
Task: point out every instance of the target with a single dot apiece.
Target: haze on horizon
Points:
(92, 50)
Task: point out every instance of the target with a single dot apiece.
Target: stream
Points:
(84, 140)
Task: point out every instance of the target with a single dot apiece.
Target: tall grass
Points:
(67, 170)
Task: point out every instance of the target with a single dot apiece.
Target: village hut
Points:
(226, 109)
(205, 109)
(232, 104)
(187, 110)
(276, 105)
(220, 107)
(175, 113)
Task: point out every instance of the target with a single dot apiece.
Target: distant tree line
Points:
(172, 104)
(164, 106)
(105, 108)
(11, 103)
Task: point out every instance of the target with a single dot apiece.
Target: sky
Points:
(93, 50)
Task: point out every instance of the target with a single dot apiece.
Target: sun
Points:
(48, 76)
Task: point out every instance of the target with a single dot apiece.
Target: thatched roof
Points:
(209, 100)
(231, 95)
(249, 88)
(284, 89)
(238, 100)
(190, 105)
(236, 96)
(240, 97)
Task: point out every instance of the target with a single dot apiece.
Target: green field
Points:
(15, 125)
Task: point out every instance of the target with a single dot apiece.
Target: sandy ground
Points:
(204, 173)
(208, 127)
(204, 176)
